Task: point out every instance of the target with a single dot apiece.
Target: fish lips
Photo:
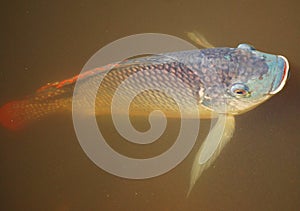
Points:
(282, 74)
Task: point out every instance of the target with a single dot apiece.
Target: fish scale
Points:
(149, 99)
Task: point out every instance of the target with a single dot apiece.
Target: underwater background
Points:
(43, 166)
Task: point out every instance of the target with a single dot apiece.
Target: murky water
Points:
(44, 167)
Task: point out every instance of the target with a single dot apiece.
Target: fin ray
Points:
(215, 141)
(199, 39)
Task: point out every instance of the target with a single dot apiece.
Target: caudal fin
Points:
(48, 99)
(15, 115)
(12, 115)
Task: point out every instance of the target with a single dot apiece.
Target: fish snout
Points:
(282, 74)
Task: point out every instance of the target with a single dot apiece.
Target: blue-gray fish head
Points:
(251, 78)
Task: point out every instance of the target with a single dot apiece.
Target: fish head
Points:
(252, 78)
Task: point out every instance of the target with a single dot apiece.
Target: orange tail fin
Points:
(12, 116)
(48, 99)
(15, 115)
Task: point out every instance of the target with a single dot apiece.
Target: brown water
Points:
(44, 167)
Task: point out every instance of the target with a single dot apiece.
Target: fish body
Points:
(223, 82)
(212, 76)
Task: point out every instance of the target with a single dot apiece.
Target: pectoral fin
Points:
(215, 141)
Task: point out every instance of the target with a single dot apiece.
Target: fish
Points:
(223, 81)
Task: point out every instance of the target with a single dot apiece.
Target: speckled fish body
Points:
(214, 77)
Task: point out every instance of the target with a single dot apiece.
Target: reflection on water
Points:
(44, 167)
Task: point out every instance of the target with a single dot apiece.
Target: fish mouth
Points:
(280, 79)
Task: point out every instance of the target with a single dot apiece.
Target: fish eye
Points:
(240, 90)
